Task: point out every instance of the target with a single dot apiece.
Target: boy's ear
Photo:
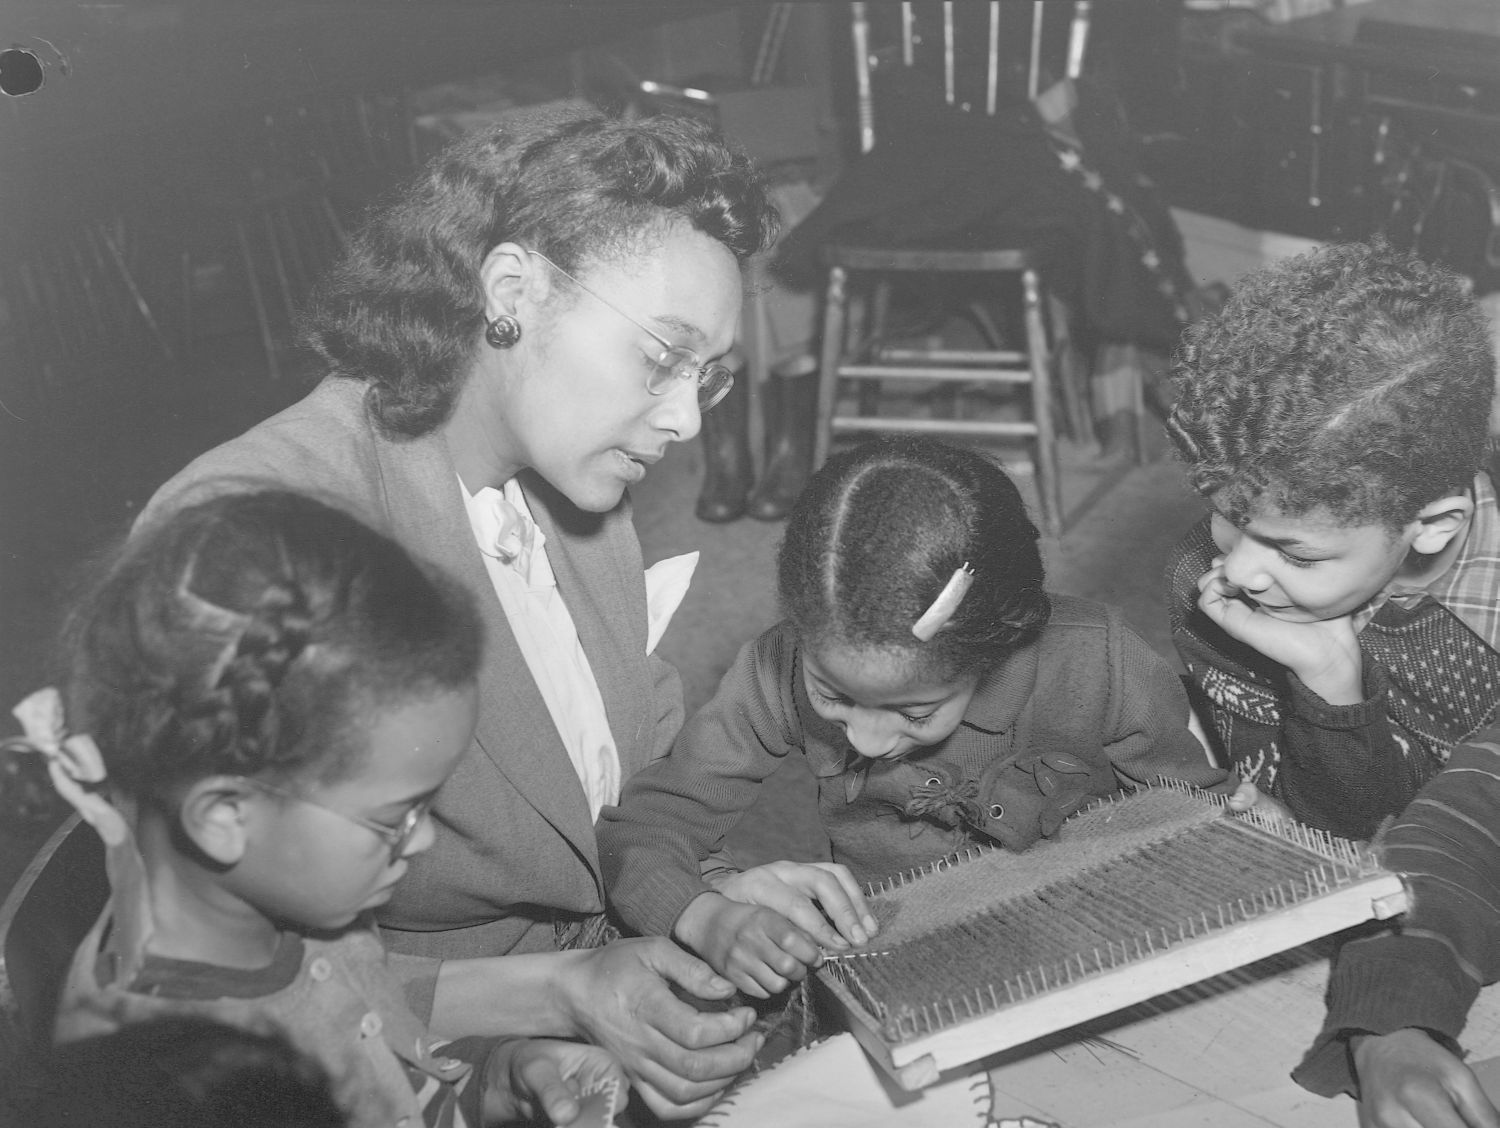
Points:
(1440, 521)
(214, 813)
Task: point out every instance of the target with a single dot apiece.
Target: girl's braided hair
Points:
(252, 634)
(879, 532)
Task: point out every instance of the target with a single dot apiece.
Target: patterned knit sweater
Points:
(1429, 682)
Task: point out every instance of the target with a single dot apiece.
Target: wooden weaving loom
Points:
(1137, 896)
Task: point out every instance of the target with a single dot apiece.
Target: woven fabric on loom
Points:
(1126, 880)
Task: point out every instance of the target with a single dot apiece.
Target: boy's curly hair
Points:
(1356, 378)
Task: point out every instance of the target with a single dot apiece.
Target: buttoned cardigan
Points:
(1084, 709)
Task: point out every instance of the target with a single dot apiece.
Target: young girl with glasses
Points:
(263, 696)
(940, 696)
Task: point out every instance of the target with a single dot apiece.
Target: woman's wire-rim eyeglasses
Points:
(675, 364)
(397, 837)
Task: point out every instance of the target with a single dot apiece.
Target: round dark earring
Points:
(503, 332)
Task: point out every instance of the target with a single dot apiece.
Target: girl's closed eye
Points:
(918, 718)
(1297, 561)
(405, 810)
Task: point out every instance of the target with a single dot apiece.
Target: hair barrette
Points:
(936, 617)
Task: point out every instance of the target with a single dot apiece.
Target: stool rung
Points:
(932, 426)
(962, 375)
(954, 356)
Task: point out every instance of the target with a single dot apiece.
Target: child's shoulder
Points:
(1076, 612)
(776, 644)
(1079, 627)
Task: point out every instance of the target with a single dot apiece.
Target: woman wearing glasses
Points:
(510, 344)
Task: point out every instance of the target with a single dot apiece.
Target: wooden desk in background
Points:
(1317, 117)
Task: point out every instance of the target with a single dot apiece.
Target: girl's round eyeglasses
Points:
(397, 837)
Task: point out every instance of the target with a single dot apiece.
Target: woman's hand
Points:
(1248, 797)
(678, 1057)
(1323, 653)
(755, 948)
(534, 1076)
(1407, 1079)
(810, 895)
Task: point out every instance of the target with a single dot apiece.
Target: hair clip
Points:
(936, 617)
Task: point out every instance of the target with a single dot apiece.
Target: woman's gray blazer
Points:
(515, 847)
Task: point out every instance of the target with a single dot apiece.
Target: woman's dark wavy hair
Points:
(877, 535)
(1356, 378)
(404, 309)
(254, 634)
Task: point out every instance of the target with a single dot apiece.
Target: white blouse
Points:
(515, 553)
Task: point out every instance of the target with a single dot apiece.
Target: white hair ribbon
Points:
(73, 762)
(77, 771)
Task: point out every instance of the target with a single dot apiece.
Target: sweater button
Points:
(370, 1025)
(997, 811)
(320, 969)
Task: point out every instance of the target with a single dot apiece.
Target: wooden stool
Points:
(864, 357)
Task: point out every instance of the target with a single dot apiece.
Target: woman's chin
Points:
(597, 494)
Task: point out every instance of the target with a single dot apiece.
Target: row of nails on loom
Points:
(1319, 841)
(911, 1022)
(1348, 862)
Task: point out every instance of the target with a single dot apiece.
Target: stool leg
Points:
(298, 255)
(833, 354)
(273, 244)
(262, 320)
(880, 306)
(1138, 413)
(185, 331)
(335, 228)
(1049, 487)
(138, 299)
(1073, 371)
(755, 334)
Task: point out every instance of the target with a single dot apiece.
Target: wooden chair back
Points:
(985, 53)
(43, 919)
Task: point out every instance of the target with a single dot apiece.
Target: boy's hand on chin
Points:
(1248, 797)
(1323, 653)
